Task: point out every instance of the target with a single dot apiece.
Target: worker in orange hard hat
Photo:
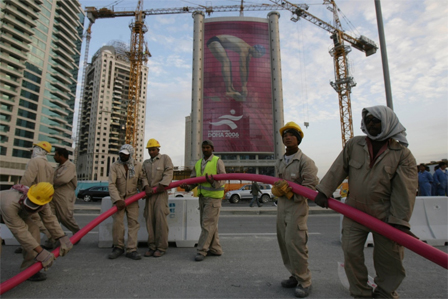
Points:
(292, 209)
(17, 205)
(158, 170)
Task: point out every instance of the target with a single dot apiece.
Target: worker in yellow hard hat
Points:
(39, 170)
(292, 209)
(158, 170)
(17, 205)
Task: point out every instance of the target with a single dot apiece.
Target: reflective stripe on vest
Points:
(206, 189)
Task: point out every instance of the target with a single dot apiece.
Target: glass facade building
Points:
(40, 43)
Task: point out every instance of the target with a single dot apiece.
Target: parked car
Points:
(174, 192)
(94, 193)
(235, 196)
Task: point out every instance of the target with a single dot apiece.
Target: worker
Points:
(158, 171)
(292, 209)
(218, 46)
(39, 170)
(65, 181)
(424, 181)
(441, 180)
(382, 175)
(255, 190)
(124, 178)
(17, 205)
(210, 195)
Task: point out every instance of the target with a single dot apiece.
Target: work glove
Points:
(281, 188)
(46, 258)
(209, 179)
(160, 189)
(321, 200)
(186, 187)
(66, 245)
(120, 205)
(148, 191)
(404, 229)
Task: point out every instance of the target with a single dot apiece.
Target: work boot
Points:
(149, 253)
(213, 254)
(39, 276)
(199, 257)
(134, 255)
(291, 282)
(116, 252)
(159, 253)
(302, 292)
(18, 250)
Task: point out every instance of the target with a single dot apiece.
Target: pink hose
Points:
(435, 255)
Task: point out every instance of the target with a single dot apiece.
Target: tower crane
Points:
(343, 81)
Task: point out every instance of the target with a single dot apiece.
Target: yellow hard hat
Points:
(41, 194)
(44, 145)
(291, 125)
(152, 143)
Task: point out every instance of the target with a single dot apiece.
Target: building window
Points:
(21, 153)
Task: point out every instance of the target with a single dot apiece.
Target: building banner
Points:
(237, 107)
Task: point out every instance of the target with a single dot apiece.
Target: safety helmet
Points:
(152, 143)
(44, 145)
(291, 125)
(41, 194)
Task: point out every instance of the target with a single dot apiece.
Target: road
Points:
(251, 267)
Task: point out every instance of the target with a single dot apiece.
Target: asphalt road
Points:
(251, 267)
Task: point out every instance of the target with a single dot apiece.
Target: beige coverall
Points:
(209, 209)
(38, 170)
(23, 227)
(292, 215)
(63, 202)
(385, 191)
(157, 171)
(121, 187)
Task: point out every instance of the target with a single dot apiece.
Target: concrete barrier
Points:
(183, 221)
(429, 220)
(9, 238)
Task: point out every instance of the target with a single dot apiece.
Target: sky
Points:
(416, 33)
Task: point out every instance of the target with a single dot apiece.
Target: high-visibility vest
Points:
(206, 189)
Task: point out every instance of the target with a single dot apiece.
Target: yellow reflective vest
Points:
(206, 189)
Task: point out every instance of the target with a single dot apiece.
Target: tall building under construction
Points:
(40, 43)
(237, 98)
(102, 127)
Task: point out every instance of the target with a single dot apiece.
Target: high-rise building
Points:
(40, 43)
(102, 129)
(237, 97)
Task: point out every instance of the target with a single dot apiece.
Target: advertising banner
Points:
(237, 107)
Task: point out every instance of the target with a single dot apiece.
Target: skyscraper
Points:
(40, 43)
(104, 112)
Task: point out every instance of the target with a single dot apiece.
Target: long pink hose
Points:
(435, 255)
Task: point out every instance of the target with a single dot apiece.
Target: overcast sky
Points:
(417, 46)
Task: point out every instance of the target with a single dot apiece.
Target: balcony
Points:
(60, 86)
(12, 21)
(29, 12)
(59, 59)
(65, 17)
(64, 50)
(63, 70)
(6, 90)
(9, 81)
(5, 48)
(13, 61)
(20, 16)
(68, 6)
(60, 94)
(62, 78)
(69, 33)
(64, 38)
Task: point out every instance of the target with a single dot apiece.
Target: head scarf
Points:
(22, 189)
(130, 162)
(390, 125)
(39, 152)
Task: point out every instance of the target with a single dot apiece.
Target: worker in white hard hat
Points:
(125, 176)
(158, 170)
(17, 205)
(382, 176)
(39, 170)
(292, 209)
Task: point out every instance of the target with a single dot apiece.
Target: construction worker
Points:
(441, 180)
(382, 175)
(17, 205)
(39, 170)
(65, 182)
(158, 170)
(292, 209)
(210, 196)
(124, 177)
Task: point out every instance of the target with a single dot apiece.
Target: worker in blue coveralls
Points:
(441, 180)
(424, 181)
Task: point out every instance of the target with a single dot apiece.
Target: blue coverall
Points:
(441, 182)
(424, 183)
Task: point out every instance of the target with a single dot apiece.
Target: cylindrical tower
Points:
(196, 93)
(277, 90)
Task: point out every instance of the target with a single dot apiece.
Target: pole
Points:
(379, 20)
